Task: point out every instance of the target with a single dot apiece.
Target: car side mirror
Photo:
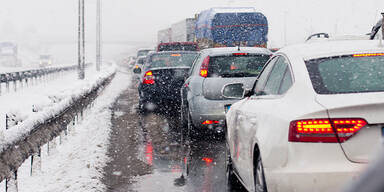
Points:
(137, 70)
(233, 91)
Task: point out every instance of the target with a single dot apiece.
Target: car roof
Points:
(145, 49)
(228, 50)
(321, 49)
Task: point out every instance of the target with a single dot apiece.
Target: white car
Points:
(281, 135)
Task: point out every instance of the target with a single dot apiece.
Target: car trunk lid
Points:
(168, 81)
(369, 106)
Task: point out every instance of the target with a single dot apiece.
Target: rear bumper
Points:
(305, 179)
(202, 109)
(320, 167)
(159, 95)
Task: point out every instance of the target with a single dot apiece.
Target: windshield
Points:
(236, 66)
(171, 60)
(347, 74)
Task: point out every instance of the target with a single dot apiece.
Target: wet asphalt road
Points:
(147, 155)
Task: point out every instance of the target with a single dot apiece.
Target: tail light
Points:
(210, 122)
(204, 67)
(324, 130)
(149, 78)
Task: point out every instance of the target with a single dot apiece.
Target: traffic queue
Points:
(308, 117)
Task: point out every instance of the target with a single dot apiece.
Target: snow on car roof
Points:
(145, 49)
(225, 50)
(318, 49)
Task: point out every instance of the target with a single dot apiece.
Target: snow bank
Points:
(48, 99)
(76, 165)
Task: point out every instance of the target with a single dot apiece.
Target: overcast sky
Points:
(290, 21)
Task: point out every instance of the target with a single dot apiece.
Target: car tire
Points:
(232, 182)
(259, 178)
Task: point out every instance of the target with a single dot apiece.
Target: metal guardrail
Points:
(28, 75)
(44, 134)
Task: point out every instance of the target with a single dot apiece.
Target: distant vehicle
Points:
(143, 52)
(162, 77)
(139, 62)
(9, 55)
(184, 31)
(230, 27)
(202, 101)
(312, 119)
(178, 46)
(45, 60)
(164, 36)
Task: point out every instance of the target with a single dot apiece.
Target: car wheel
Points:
(231, 180)
(260, 184)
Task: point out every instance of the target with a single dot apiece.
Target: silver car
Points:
(203, 106)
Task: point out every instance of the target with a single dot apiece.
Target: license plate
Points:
(227, 107)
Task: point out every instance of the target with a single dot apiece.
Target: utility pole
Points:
(98, 36)
(81, 41)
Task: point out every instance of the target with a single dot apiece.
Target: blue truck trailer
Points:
(230, 27)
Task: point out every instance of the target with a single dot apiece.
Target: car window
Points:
(347, 74)
(272, 85)
(264, 76)
(196, 67)
(237, 65)
(195, 62)
(287, 81)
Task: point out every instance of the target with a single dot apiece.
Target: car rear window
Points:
(236, 65)
(172, 60)
(347, 74)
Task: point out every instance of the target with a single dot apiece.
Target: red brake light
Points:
(237, 54)
(207, 159)
(148, 78)
(204, 67)
(210, 122)
(323, 130)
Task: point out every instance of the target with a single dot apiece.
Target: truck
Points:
(8, 54)
(164, 36)
(229, 27)
(184, 31)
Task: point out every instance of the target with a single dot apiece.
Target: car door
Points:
(270, 88)
(185, 88)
